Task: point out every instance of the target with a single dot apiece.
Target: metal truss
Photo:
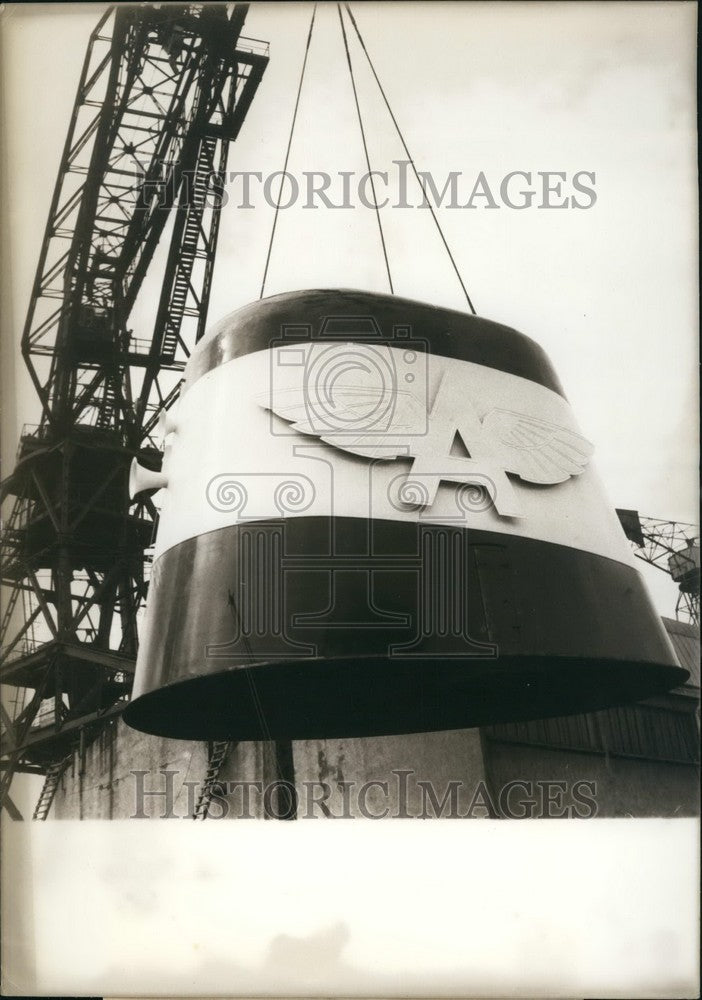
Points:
(674, 547)
(163, 91)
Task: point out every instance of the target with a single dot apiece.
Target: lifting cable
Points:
(365, 145)
(407, 153)
(365, 149)
(287, 154)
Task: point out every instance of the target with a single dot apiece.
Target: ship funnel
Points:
(382, 519)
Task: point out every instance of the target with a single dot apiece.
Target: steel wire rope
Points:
(287, 152)
(365, 145)
(409, 157)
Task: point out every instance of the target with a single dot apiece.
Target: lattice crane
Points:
(163, 91)
(674, 547)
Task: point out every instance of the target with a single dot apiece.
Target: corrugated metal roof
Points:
(686, 643)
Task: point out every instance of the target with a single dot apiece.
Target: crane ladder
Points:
(51, 782)
(219, 750)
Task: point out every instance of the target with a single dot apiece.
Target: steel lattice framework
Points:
(674, 547)
(162, 92)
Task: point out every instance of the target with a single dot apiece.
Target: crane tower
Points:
(163, 91)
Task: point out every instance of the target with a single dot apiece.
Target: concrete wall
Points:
(102, 785)
(454, 774)
(389, 776)
(399, 776)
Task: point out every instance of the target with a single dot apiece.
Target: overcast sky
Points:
(609, 291)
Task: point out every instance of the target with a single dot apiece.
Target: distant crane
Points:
(674, 547)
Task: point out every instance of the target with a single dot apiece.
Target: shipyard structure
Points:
(342, 554)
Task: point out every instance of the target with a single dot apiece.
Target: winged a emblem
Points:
(535, 450)
(363, 420)
(377, 423)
